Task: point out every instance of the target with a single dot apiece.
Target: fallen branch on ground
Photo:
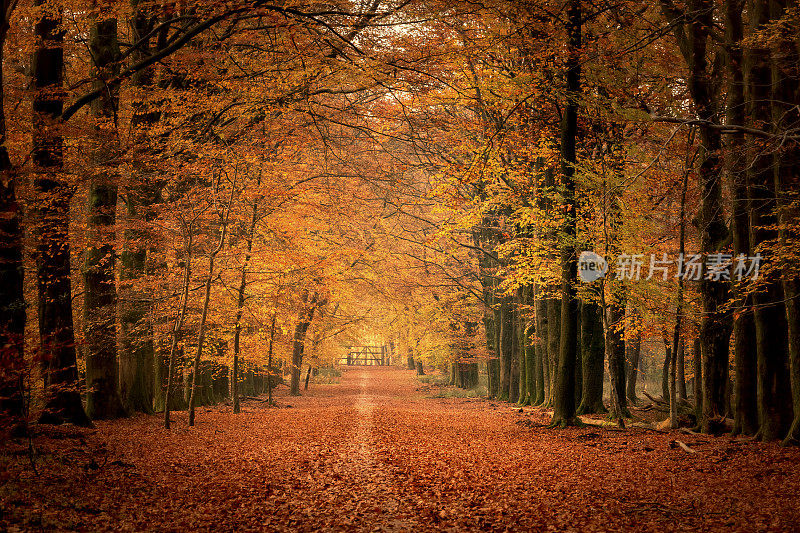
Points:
(682, 445)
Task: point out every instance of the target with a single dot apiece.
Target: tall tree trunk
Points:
(773, 392)
(491, 343)
(673, 379)
(666, 366)
(677, 342)
(309, 302)
(592, 359)
(540, 348)
(506, 345)
(271, 345)
(579, 363)
(494, 361)
(744, 332)
(529, 336)
(681, 362)
(12, 298)
(613, 320)
(697, 364)
(201, 334)
(634, 353)
(564, 397)
(522, 392)
(692, 33)
(531, 368)
(240, 307)
(100, 292)
(553, 345)
(515, 359)
(785, 115)
(54, 192)
(142, 376)
(177, 328)
(141, 386)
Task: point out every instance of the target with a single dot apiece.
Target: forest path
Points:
(375, 453)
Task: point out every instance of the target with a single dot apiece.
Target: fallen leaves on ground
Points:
(373, 454)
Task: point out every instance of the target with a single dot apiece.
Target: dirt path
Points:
(372, 453)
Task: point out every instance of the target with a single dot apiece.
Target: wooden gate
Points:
(366, 356)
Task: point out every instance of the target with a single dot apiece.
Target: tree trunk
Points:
(515, 370)
(142, 372)
(692, 35)
(634, 353)
(159, 381)
(681, 362)
(488, 326)
(12, 298)
(420, 368)
(697, 363)
(673, 401)
(529, 336)
(506, 346)
(745, 412)
(100, 293)
(138, 386)
(54, 192)
(207, 299)
(202, 330)
(494, 362)
(522, 391)
(677, 344)
(772, 359)
(615, 354)
(564, 397)
(540, 348)
(473, 375)
(592, 359)
(677, 341)
(665, 367)
(301, 328)
(177, 329)
(271, 345)
(240, 307)
(553, 345)
(785, 115)
(579, 362)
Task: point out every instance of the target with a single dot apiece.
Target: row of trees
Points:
(201, 203)
(628, 129)
(236, 179)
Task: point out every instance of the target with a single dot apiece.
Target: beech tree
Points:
(12, 298)
(100, 296)
(54, 192)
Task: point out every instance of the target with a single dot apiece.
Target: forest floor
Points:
(374, 453)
